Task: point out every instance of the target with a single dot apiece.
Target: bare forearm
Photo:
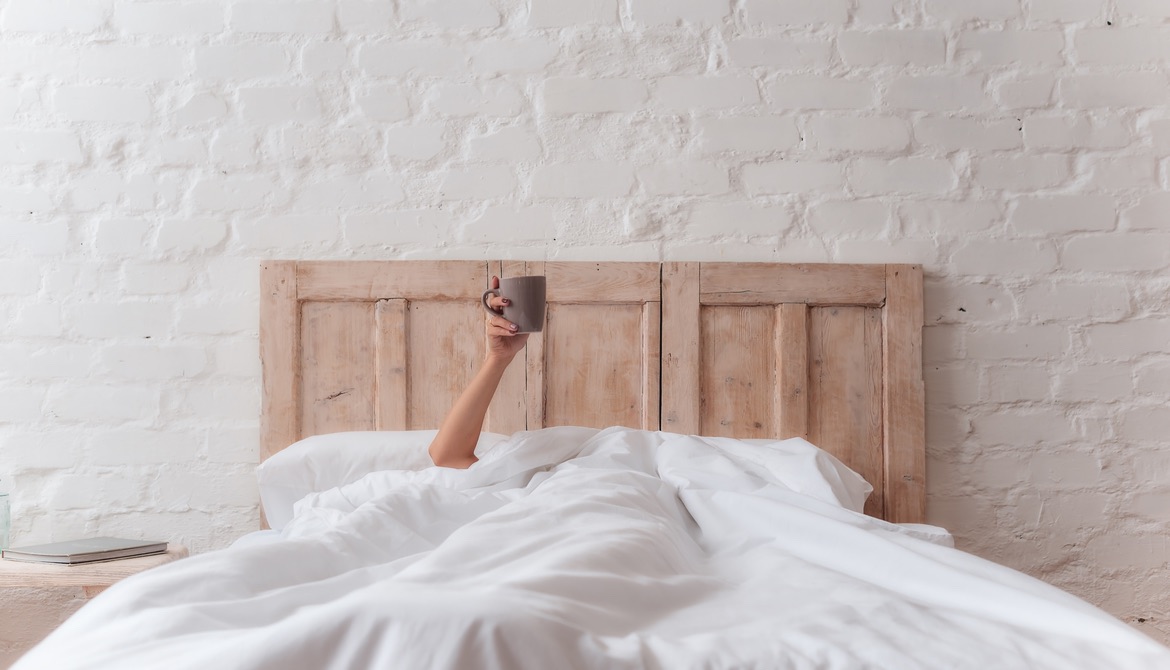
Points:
(454, 446)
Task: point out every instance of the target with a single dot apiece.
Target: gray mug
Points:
(526, 302)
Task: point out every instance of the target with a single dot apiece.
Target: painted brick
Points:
(851, 133)
(282, 232)
(821, 93)
(324, 59)
(1065, 10)
(506, 145)
(1122, 46)
(1126, 252)
(54, 16)
(1154, 380)
(991, 49)
(868, 217)
(29, 147)
(274, 105)
(987, 10)
(1022, 342)
(155, 278)
(390, 229)
(305, 18)
(704, 92)
(1008, 258)
(1128, 172)
(416, 142)
(1026, 92)
(115, 61)
(598, 179)
(791, 54)
(1151, 213)
(874, 176)
(892, 47)
(169, 18)
(797, 12)
(350, 191)
(1064, 214)
(750, 134)
(954, 133)
(1021, 172)
(225, 318)
(1024, 383)
(1112, 91)
(967, 303)
(792, 177)
(1041, 132)
(1055, 301)
(580, 95)
(952, 386)
(226, 194)
(79, 492)
(199, 108)
(241, 61)
(477, 183)
(106, 402)
(135, 447)
(513, 55)
(190, 235)
(560, 13)
(1147, 424)
(936, 93)
(1124, 341)
(670, 12)
(452, 13)
(395, 60)
(492, 99)
(690, 178)
(1143, 8)
(103, 103)
(715, 219)
(511, 225)
(384, 103)
(1095, 383)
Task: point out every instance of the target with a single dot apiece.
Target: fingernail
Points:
(506, 301)
(514, 327)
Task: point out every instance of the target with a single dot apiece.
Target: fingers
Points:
(498, 302)
(495, 282)
(502, 327)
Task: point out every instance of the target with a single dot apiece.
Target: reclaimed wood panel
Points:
(737, 374)
(280, 345)
(845, 380)
(337, 367)
(903, 397)
(681, 404)
(359, 281)
(792, 370)
(813, 284)
(392, 388)
(446, 348)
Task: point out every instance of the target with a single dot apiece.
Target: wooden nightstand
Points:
(35, 598)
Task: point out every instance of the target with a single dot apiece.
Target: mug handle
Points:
(484, 300)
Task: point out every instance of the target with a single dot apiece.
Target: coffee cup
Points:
(526, 302)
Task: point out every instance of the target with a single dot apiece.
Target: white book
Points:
(85, 551)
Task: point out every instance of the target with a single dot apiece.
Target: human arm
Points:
(454, 446)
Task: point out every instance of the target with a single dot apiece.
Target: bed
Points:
(695, 465)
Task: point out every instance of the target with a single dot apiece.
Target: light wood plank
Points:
(594, 372)
(279, 356)
(92, 577)
(375, 280)
(446, 347)
(535, 363)
(738, 373)
(903, 398)
(393, 382)
(792, 369)
(570, 282)
(845, 391)
(680, 348)
(813, 284)
(337, 362)
(651, 365)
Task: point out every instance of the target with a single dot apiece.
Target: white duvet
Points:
(576, 548)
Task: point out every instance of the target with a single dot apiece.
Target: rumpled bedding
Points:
(579, 548)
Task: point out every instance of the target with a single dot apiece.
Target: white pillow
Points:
(323, 462)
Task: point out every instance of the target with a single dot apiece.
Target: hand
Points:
(503, 340)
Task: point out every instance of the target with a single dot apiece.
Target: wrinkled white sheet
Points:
(573, 548)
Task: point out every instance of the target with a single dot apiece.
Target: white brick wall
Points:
(152, 153)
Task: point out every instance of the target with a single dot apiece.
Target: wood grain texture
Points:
(353, 281)
(904, 400)
(280, 355)
(93, 577)
(792, 370)
(609, 282)
(651, 365)
(446, 348)
(337, 364)
(813, 284)
(737, 371)
(680, 348)
(845, 391)
(392, 383)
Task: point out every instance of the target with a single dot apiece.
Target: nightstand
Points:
(35, 598)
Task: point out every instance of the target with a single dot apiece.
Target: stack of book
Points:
(88, 550)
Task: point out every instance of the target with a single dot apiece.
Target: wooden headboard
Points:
(831, 353)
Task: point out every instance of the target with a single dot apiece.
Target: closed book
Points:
(85, 551)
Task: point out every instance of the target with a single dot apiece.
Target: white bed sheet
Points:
(574, 548)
